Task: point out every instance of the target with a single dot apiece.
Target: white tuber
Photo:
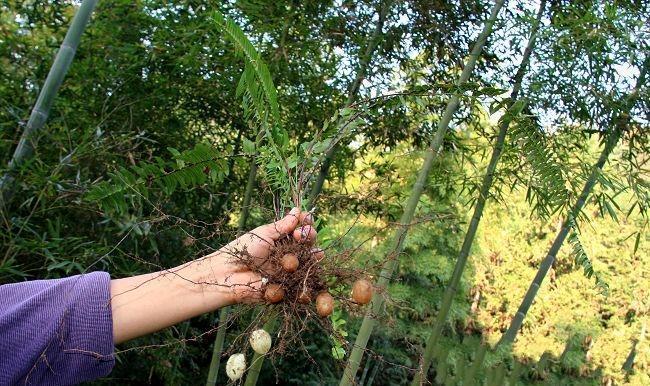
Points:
(236, 366)
(260, 341)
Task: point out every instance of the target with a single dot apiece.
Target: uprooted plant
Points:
(301, 285)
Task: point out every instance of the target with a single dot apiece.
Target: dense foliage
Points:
(167, 111)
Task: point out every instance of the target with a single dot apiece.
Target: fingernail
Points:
(294, 211)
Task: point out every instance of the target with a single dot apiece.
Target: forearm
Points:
(147, 303)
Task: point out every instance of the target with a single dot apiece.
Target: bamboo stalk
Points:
(400, 234)
(353, 91)
(215, 362)
(41, 109)
(461, 366)
(500, 375)
(452, 287)
(373, 374)
(619, 123)
(442, 353)
(628, 365)
(365, 372)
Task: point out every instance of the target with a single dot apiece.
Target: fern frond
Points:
(253, 59)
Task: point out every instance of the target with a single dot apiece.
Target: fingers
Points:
(283, 226)
(305, 234)
(306, 218)
(288, 224)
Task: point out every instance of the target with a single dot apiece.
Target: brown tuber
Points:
(274, 293)
(289, 262)
(324, 304)
(362, 291)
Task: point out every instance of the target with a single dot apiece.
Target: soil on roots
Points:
(318, 271)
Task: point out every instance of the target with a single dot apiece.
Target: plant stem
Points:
(619, 124)
(215, 362)
(452, 287)
(353, 91)
(41, 110)
(432, 152)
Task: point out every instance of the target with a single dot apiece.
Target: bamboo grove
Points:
(432, 141)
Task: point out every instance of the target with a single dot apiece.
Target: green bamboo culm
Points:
(353, 92)
(41, 110)
(619, 122)
(432, 152)
(215, 362)
(452, 286)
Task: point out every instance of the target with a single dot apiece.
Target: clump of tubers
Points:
(298, 284)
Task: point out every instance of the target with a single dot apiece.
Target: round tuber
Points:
(236, 366)
(289, 262)
(274, 293)
(362, 291)
(260, 341)
(324, 304)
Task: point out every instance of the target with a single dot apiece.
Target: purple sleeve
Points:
(56, 332)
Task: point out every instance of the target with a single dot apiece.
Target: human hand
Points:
(258, 243)
(146, 303)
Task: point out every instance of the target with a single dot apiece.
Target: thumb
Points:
(283, 226)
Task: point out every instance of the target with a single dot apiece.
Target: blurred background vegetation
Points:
(154, 78)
